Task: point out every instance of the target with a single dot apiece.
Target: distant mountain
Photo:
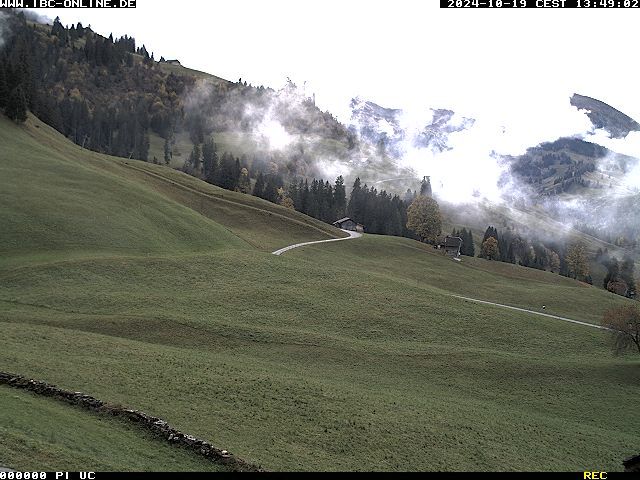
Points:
(436, 134)
(375, 124)
(387, 127)
(606, 117)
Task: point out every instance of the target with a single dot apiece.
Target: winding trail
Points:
(564, 319)
(351, 236)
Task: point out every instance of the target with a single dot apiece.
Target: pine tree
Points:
(57, 30)
(425, 187)
(258, 188)
(554, 262)
(305, 197)
(468, 248)
(16, 108)
(237, 171)
(356, 206)
(627, 275)
(168, 154)
(271, 188)
(194, 160)
(227, 175)
(4, 88)
(209, 159)
(339, 198)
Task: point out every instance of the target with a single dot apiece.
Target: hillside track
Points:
(564, 319)
(351, 236)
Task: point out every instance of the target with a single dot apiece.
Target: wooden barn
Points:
(346, 224)
(451, 246)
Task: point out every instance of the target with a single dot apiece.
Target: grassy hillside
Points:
(59, 199)
(41, 434)
(344, 356)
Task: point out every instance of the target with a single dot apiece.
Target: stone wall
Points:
(155, 425)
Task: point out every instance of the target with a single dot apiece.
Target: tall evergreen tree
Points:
(195, 160)
(4, 88)
(16, 108)
(168, 154)
(357, 200)
(57, 30)
(339, 198)
(425, 187)
(627, 275)
(613, 271)
(209, 159)
(272, 184)
(258, 188)
(468, 248)
(227, 174)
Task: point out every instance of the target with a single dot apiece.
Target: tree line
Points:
(380, 212)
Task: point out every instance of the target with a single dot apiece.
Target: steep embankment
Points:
(59, 199)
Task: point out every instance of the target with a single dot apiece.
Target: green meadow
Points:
(41, 434)
(145, 287)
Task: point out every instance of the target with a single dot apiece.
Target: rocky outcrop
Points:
(155, 425)
(605, 116)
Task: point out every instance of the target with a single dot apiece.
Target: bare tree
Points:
(624, 324)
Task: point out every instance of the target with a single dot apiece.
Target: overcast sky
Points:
(513, 70)
(397, 53)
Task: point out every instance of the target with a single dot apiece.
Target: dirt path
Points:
(291, 247)
(564, 319)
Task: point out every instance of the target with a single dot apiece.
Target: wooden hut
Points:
(346, 224)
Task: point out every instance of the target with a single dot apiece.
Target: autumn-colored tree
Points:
(287, 203)
(424, 218)
(490, 249)
(624, 324)
(554, 261)
(577, 260)
(244, 183)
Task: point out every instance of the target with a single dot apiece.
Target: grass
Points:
(42, 434)
(343, 356)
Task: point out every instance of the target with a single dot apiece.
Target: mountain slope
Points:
(69, 201)
(345, 356)
(604, 116)
(61, 199)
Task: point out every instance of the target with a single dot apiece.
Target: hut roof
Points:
(452, 242)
